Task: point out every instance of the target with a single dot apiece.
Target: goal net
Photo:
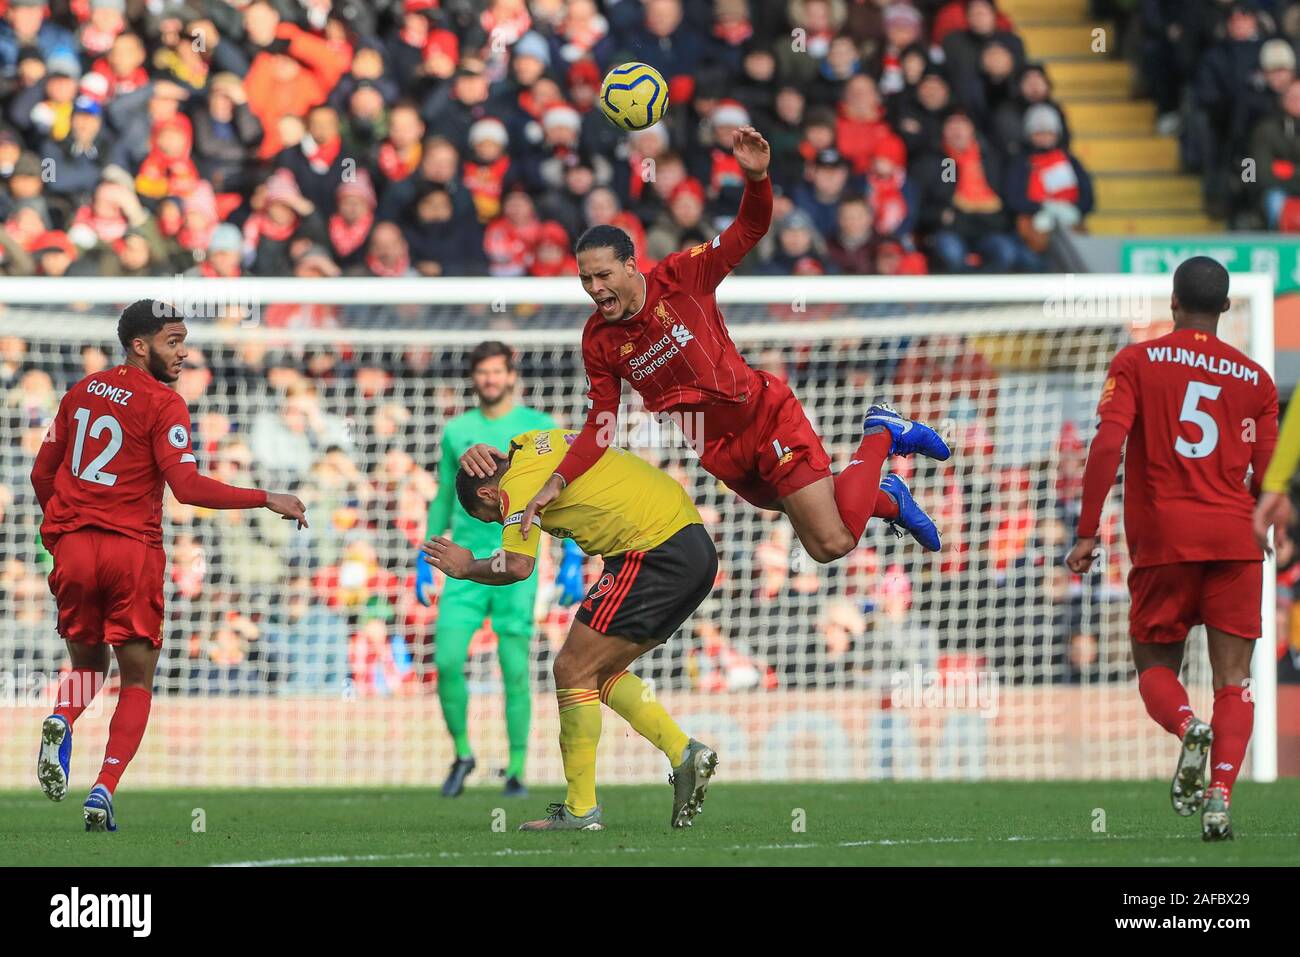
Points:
(297, 658)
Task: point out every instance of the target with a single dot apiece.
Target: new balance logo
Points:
(783, 452)
(1223, 766)
(112, 760)
(681, 334)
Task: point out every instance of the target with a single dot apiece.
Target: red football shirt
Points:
(1198, 414)
(676, 350)
(118, 431)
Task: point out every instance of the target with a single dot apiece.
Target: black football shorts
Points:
(647, 596)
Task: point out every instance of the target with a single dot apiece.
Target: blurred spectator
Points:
(981, 59)
(962, 214)
(828, 187)
(1047, 187)
(440, 243)
(853, 246)
(291, 72)
(800, 250)
(1224, 86)
(1276, 148)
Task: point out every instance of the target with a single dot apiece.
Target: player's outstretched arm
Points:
(288, 507)
(191, 488)
(702, 268)
(752, 152)
(454, 561)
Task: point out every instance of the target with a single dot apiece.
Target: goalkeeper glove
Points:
(423, 579)
(569, 578)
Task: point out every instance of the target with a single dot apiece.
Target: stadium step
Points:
(1118, 192)
(1025, 12)
(1127, 154)
(1136, 174)
(1093, 117)
(1100, 77)
(1064, 39)
(1141, 223)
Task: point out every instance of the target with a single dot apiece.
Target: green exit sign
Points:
(1278, 257)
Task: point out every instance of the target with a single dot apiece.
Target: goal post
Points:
(986, 660)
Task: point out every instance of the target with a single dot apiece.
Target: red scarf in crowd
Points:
(485, 183)
(379, 269)
(396, 167)
(347, 237)
(725, 171)
(1052, 177)
(734, 34)
(321, 156)
(888, 206)
(973, 193)
(259, 226)
(106, 228)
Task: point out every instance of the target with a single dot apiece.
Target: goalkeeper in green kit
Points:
(464, 605)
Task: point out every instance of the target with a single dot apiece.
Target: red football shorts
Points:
(1168, 600)
(108, 587)
(765, 449)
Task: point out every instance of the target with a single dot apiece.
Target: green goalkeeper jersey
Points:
(465, 430)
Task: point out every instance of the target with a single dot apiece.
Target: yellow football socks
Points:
(634, 700)
(579, 735)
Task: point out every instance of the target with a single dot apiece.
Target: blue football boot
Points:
(54, 757)
(910, 438)
(98, 810)
(911, 517)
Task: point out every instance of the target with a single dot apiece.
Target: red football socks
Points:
(857, 486)
(1234, 716)
(886, 507)
(77, 689)
(1165, 698)
(125, 732)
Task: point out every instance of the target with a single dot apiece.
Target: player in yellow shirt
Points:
(660, 564)
(1274, 505)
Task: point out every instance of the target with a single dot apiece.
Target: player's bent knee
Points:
(565, 670)
(830, 547)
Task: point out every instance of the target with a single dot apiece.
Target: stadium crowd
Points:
(458, 137)
(1223, 76)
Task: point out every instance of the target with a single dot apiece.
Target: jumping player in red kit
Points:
(117, 437)
(1196, 414)
(663, 333)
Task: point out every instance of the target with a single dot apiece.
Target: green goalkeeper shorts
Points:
(464, 604)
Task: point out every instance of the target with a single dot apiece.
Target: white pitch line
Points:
(542, 851)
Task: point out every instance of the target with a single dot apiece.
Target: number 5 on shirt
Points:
(1191, 412)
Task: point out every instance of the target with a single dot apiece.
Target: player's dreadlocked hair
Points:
(467, 487)
(1201, 285)
(598, 237)
(144, 318)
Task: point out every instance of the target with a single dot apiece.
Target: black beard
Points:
(158, 368)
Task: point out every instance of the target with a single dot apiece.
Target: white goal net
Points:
(297, 658)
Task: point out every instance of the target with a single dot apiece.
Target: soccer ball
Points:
(634, 96)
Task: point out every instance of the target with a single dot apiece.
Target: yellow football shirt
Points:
(621, 504)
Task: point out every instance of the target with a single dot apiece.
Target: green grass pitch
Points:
(883, 823)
